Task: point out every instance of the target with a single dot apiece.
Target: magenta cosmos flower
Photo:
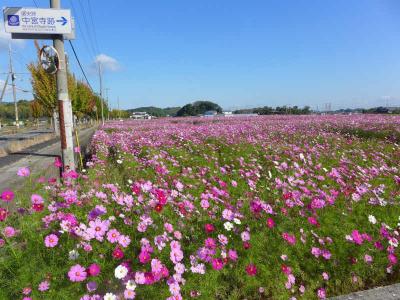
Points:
(3, 214)
(251, 270)
(94, 270)
(51, 241)
(23, 172)
(7, 195)
(77, 273)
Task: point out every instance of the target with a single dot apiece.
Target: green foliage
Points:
(7, 110)
(45, 92)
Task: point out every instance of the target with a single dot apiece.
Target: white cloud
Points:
(108, 63)
(5, 39)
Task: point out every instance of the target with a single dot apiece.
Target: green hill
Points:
(156, 111)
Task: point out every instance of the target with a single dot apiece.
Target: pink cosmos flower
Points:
(7, 195)
(58, 162)
(23, 172)
(245, 235)
(357, 237)
(124, 240)
(44, 286)
(368, 258)
(98, 228)
(291, 239)
(37, 202)
(321, 293)
(26, 290)
(156, 266)
(51, 241)
(316, 251)
(232, 254)
(325, 276)
(9, 232)
(168, 227)
(113, 235)
(77, 273)
(129, 294)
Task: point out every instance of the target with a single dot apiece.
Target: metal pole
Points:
(101, 95)
(13, 87)
(108, 105)
(119, 112)
(64, 103)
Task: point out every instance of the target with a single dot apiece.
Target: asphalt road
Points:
(39, 158)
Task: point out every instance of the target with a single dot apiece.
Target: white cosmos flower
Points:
(120, 272)
(131, 285)
(73, 254)
(110, 296)
(372, 219)
(228, 226)
(119, 161)
(237, 221)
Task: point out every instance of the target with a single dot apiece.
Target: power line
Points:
(93, 27)
(87, 26)
(79, 63)
(81, 31)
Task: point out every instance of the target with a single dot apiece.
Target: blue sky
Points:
(236, 53)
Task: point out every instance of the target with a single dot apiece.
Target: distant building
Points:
(227, 113)
(210, 113)
(140, 115)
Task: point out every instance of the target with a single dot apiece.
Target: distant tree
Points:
(198, 108)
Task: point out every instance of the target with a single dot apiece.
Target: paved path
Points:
(390, 292)
(38, 158)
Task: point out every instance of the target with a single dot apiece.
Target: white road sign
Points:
(37, 20)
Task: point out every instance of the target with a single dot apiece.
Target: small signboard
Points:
(39, 21)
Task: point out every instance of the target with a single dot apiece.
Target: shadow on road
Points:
(34, 154)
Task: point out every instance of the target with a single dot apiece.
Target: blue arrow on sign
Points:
(63, 21)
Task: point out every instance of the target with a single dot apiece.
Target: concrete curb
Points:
(391, 292)
(18, 145)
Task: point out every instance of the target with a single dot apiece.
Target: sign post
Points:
(64, 103)
(53, 23)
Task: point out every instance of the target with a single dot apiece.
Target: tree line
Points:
(85, 102)
(279, 110)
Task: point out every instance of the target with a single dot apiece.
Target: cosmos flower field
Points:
(275, 207)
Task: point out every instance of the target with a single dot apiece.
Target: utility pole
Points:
(119, 112)
(64, 103)
(13, 87)
(101, 94)
(108, 105)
